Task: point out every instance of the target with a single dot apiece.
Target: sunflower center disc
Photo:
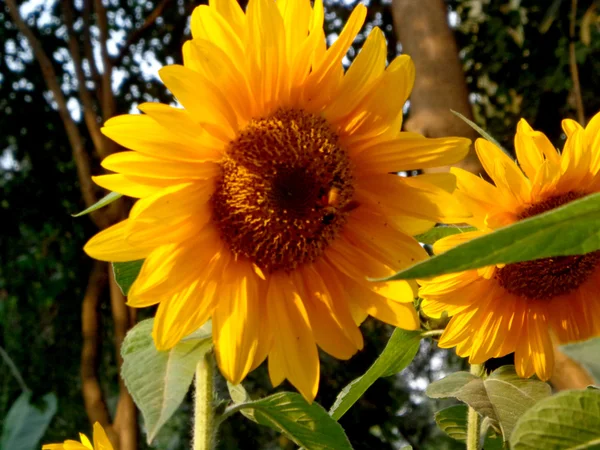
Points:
(547, 278)
(285, 190)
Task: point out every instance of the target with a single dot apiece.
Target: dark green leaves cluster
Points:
(502, 397)
(520, 412)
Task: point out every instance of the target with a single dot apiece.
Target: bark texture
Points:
(422, 29)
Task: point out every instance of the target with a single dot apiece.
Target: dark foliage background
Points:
(515, 55)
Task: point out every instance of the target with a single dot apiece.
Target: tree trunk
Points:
(422, 29)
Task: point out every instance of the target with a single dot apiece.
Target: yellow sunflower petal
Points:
(503, 170)
(208, 59)
(368, 65)
(453, 294)
(266, 41)
(420, 199)
(459, 329)
(575, 161)
(208, 24)
(592, 142)
(137, 187)
(172, 267)
(494, 328)
(236, 322)
(265, 339)
(448, 242)
(523, 358)
(183, 313)
(388, 310)
(327, 70)
(232, 13)
(370, 232)
(171, 138)
(410, 151)
(67, 445)
(136, 164)
(294, 352)
(357, 264)
(531, 146)
(542, 351)
(101, 441)
(173, 214)
(179, 121)
(379, 110)
(301, 61)
(328, 332)
(206, 103)
(183, 199)
(579, 321)
(296, 21)
(111, 245)
(479, 196)
(84, 439)
(332, 323)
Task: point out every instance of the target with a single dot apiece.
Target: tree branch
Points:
(440, 86)
(125, 422)
(136, 35)
(108, 101)
(90, 117)
(79, 154)
(88, 49)
(93, 398)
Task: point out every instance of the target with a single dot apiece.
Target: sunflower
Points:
(269, 198)
(522, 307)
(101, 442)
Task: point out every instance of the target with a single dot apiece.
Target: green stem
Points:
(203, 411)
(473, 422)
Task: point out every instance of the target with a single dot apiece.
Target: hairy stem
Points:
(203, 411)
(473, 422)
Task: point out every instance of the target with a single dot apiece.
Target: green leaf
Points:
(397, 354)
(309, 426)
(126, 273)
(435, 234)
(586, 353)
(572, 229)
(502, 397)
(204, 332)
(453, 422)
(26, 423)
(99, 204)
(158, 381)
(239, 395)
(568, 420)
(484, 134)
